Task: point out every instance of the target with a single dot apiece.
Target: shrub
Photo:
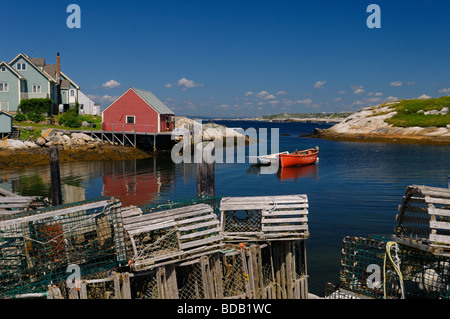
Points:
(73, 122)
(36, 106)
(36, 118)
(19, 117)
(71, 118)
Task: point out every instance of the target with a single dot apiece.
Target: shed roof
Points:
(153, 101)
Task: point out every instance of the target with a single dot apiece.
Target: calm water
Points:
(354, 190)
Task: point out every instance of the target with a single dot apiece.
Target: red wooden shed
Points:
(138, 110)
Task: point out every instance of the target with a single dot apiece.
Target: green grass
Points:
(89, 118)
(408, 116)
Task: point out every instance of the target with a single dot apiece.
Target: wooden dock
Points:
(146, 138)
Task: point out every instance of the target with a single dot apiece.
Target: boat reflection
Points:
(296, 172)
(287, 173)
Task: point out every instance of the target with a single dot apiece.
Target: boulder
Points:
(31, 144)
(40, 141)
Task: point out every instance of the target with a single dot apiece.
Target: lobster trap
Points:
(170, 235)
(264, 218)
(379, 268)
(37, 248)
(424, 219)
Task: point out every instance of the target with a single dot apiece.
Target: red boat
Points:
(297, 158)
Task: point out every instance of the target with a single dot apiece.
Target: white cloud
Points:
(104, 98)
(269, 97)
(307, 101)
(374, 99)
(111, 84)
(319, 84)
(281, 93)
(337, 99)
(359, 91)
(424, 96)
(248, 93)
(410, 83)
(375, 94)
(342, 92)
(396, 83)
(262, 94)
(444, 90)
(392, 98)
(185, 83)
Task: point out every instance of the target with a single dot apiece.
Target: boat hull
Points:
(265, 159)
(300, 158)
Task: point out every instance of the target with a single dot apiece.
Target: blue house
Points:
(27, 78)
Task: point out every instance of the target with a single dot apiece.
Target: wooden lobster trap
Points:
(424, 219)
(167, 236)
(264, 218)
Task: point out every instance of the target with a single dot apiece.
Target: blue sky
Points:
(241, 58)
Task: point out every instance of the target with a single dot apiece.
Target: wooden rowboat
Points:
(265, 159)
(298, 158)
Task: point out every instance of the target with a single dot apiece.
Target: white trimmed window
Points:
(21, 66)
(72, 92)
(3, 68)
(36, 88)
(131, 119)
(4, 87)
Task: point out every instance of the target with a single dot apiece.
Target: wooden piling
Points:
(55, 177)
(205, 172)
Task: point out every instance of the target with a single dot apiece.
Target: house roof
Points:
(24, 56)
(6, 113)
(48, 70)
(153, 101)
(3, 63)
(40, 62)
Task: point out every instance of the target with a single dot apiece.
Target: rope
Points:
(395, 263)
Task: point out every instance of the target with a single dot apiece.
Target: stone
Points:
(31, 144)
(46, 134)
(40, 141)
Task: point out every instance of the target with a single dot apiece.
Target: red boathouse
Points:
(140, 111)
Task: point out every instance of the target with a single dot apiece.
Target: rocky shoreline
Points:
(369, 125)
(72, 147)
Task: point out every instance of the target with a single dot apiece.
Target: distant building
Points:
(6, 123)
(138, 110)
(87, 106)
(25, 78)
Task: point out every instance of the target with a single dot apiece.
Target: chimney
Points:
(58, 68)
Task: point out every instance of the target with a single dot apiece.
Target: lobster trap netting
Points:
(372, 268)
(37, 248)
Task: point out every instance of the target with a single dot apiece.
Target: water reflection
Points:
(135, 182)
(289, 173)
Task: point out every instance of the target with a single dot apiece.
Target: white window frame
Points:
(126, 119)
(3, 68)
(5, 87)
(72, 92)
(21, 66)
(36, 87)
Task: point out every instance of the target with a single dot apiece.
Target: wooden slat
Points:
(200, 233)
(259, 206)
(201, 242)
(440, 225)
(440, 238)
(285, 213)
(433, 200)
(149, 228)
(199, 225)
(439, 211)
(284, 220)
(284, 228)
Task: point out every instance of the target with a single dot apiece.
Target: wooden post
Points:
(55, 176)
(206, 172)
